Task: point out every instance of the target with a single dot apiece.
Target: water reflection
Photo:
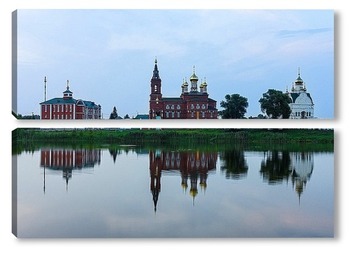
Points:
(234, 163)
(275, 166)
(193, 166)
(279, 166)
(129, 183)
(302, 166)
(67, 160)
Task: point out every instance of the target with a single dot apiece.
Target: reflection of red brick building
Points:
(67, 160)
(67, 107)
(192, 104)
(192, 165)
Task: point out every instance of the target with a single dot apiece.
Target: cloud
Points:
(142, 42)
(293, 33)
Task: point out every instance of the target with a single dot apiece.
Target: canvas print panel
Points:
(173, 64)
(117, 183)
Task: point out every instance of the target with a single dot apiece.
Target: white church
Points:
(302, 105)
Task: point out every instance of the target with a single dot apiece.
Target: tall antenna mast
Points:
(45, 80)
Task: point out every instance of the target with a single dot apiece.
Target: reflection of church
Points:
(302, 165)
(68, 160)
(279, 166)
(192, 165)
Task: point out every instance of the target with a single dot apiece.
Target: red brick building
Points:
(192, 104)
(67, 107)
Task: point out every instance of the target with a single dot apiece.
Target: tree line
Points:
(274, 104)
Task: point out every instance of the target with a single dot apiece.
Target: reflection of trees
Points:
(114, 153)
(234, 163)
(119, 149)
(276, 166)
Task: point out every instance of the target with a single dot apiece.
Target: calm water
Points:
(137, 192)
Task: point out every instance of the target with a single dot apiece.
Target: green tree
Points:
(235, 107)
(275, 104)
(114, 114)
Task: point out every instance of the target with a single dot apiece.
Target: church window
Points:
(178, 107)
(167, 107)
(203, 115)
(172, 107)
(198, 106)
(203, 106)
(178, 114)
(192, 106)
(172, 114)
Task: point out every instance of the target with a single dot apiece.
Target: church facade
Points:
(192, 103)
(302, 105)
(67, 107)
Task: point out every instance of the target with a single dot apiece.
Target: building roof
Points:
(60, 100)
(67, 91)
(142, 117)
(294, 96)
(90, 104)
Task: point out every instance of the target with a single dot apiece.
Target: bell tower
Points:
(67, 94)
(155, 102)
(156, 82)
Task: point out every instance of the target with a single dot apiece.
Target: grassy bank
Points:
(178, 136)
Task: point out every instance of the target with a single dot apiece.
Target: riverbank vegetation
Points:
(259, 139)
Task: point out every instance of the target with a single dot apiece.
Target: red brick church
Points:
(192, 103)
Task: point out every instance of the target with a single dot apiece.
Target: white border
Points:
(338, 245)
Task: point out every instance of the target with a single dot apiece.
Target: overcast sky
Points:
(108, 55)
